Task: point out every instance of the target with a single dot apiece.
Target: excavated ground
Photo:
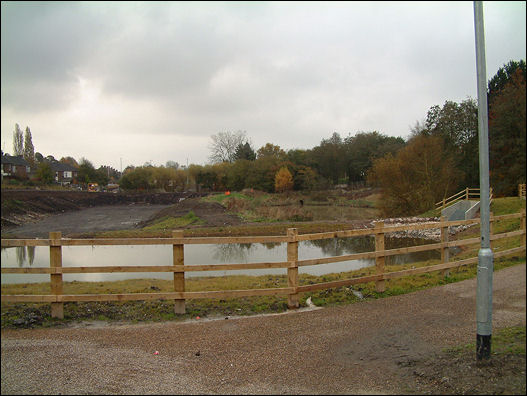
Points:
(27, 206)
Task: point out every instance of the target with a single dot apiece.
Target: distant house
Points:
(15, 167)
(64, 173)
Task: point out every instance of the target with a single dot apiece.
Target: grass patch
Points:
(257, 206)
(507, 205)
(505, 341)
(169, 222)
(222, 198)
(22, 314)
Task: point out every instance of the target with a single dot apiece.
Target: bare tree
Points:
(224, 145)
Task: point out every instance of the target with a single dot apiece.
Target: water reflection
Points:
(237, 252)
(30, 254)
(343, 246)
(24, 255)
(206, 254)
(242, 252)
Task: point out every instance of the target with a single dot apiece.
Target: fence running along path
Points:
(178, 267)
(467, 194)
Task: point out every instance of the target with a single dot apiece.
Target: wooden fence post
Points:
(523, 226)
(445, 253)
(178, 253)
(466, 193)
(491, 228)
(55, 261)
(292, 271)
(380, 286)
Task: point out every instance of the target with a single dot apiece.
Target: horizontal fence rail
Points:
(55, 242)
(466, 194)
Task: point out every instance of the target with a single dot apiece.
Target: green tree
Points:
(29, 149)
(261, 176)
(18, 141)
(330, 158)
(503, 76)
(88, 173)
(305, 178)
(245, 152)
(457, 125)
(140, 178)
(300, 157)
(44, 173)
(39, 157)
(363, 148)
(238, 174)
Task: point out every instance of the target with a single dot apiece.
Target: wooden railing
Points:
(178, 267)
(466, 194)
(521, 190)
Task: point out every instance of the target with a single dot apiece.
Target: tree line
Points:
(439, 158)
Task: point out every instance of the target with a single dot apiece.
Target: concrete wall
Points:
(461, 210)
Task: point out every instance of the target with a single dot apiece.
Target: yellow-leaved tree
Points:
(283, 180)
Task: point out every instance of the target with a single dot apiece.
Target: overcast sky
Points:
(132, 82)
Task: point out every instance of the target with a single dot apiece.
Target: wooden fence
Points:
(467, 194)
(521, 190)
(178, 267)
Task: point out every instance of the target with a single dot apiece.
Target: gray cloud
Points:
(287, 73)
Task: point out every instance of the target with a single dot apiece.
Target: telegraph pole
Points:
(485, 255)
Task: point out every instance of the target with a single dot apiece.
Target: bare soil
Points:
(212, 213)
(24, 206)
(36, 213)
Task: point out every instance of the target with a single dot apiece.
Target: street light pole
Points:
(485, 255)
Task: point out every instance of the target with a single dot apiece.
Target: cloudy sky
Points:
(126, 83)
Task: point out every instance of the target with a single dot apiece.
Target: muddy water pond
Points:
(84, 256)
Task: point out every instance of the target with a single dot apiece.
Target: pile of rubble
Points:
(429, 233)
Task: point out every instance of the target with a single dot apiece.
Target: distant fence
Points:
(178, 267)
(467, 194)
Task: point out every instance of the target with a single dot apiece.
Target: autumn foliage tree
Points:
(419, 175)
(507, 133)
(283, 180)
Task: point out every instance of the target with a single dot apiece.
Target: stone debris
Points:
(430, 233)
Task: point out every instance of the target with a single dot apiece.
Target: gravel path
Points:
(363, 348)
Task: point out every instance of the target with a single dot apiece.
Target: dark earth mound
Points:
(212, 213)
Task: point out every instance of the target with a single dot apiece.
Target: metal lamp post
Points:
(485, 255)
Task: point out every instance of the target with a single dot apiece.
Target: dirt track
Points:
(384, 346)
